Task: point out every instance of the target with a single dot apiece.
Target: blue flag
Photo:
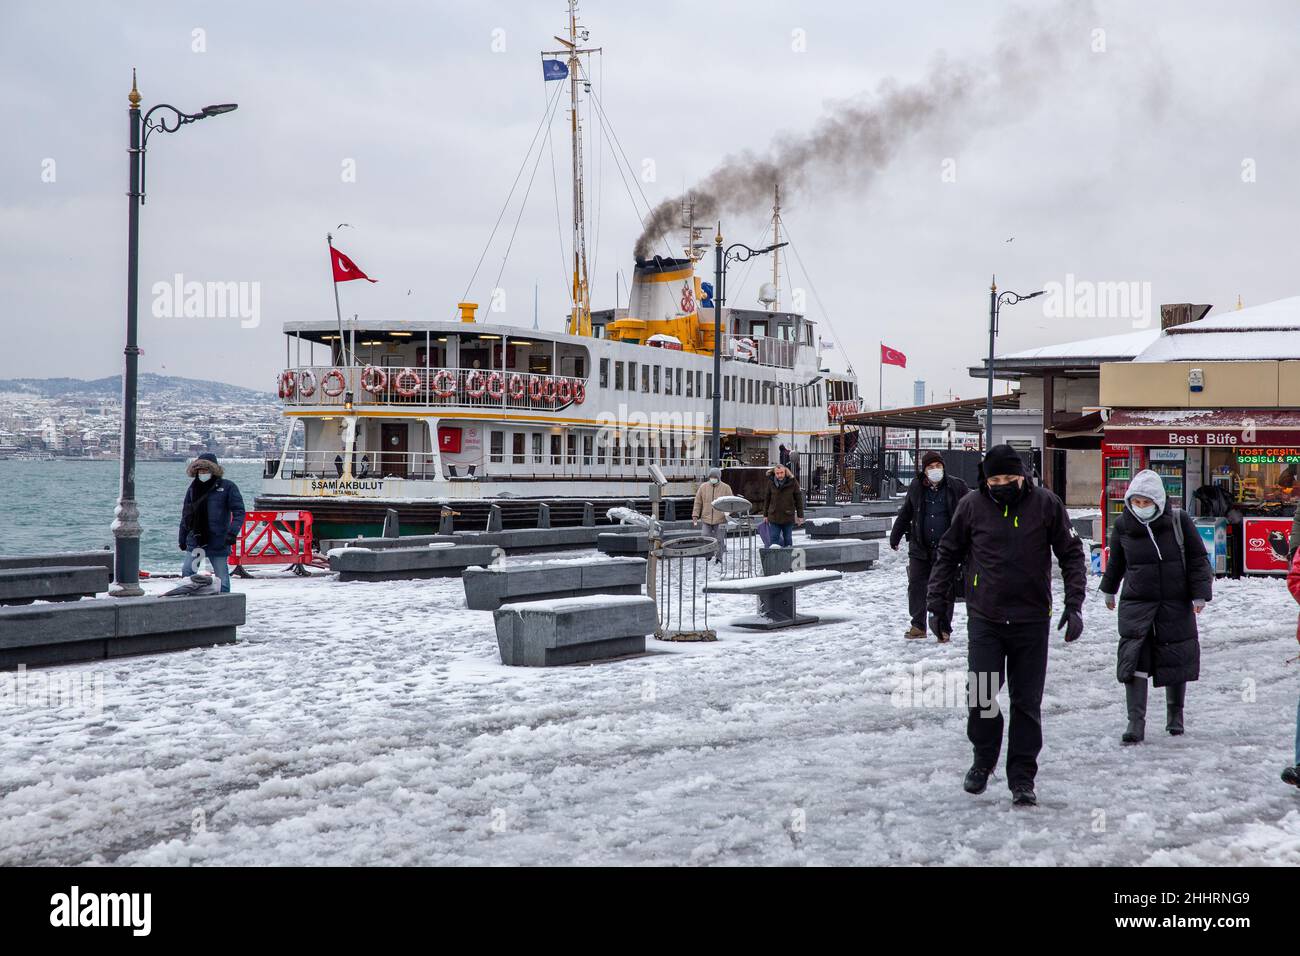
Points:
(554, 70)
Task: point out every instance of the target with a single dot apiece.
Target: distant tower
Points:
(918, 392)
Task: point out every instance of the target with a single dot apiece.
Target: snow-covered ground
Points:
(373, 724)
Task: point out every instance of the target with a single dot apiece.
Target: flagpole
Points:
(880, 377)
(329, 241)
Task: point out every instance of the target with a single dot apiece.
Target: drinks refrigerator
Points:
(1171, 465)
(1117, 470)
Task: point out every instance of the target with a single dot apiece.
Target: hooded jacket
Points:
(781, 503)
(911, 514)
(212, 512)
(705, 495)
(1005, 552)
(1159, 586)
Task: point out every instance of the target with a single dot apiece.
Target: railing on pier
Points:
(330, 465)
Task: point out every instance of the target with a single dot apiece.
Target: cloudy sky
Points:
(1149, 142)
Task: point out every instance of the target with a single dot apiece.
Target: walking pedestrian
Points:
(924, 518)
(1291, 774)
(1004, 537)
(782, 505)
(211, 516)
(1156, 552)
(703, 515)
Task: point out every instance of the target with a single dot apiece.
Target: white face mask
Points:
(713, 481)
(205, 476)
(934, 474)
(1147, 513)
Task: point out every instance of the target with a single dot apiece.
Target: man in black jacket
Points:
(1004, 537)
(924, 517)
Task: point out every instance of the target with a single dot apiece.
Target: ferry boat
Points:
(417, 415)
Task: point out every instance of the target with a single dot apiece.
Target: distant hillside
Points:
(151, 386)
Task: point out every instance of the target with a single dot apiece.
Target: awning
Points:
(1209, 427)
(959, 416)
(1082, 431)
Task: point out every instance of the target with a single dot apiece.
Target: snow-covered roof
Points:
(1262, 332)
(1124, 345)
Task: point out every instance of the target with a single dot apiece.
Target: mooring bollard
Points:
(494, 519)
(543, 515)
(392, 526)
(447, 521)
(588, 514)
(670, 509)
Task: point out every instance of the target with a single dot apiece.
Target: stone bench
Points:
(116, 627)
(486, 589)
(856, 527)
(635, 542)
(405, 564)
(572, 630)
(776, 597)
(844, 554)
(52, 583)
(59, 559)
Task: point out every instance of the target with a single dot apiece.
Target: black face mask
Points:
(1005, 494)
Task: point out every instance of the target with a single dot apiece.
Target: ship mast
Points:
(580, 314)
(776, 251)
(693, 248)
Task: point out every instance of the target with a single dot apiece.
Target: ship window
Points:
(604, 373)
(679, 381)
(496, 447)
(690, 385)
(631, 376)
(627, 452)
(640, 453)
(572, 442)
(758, 328)
(616, 453)
(579, 368)
(645, 378)
(663, 449)
(586, 449)
(699, 383)
(600, 451)
(517, 447)
(668, 381)
(537, 449)
(618, 376)
(555, 449)
(726, 388)
(656, 379)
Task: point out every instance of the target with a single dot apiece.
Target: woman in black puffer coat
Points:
(1165, 587)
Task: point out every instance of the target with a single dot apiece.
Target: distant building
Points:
(918, 392)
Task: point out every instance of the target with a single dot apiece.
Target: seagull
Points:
(1012, 239)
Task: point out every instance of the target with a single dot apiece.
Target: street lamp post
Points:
(996, 302)
(736, 252)
(126, 516)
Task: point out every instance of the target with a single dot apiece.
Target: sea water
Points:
(67, 505)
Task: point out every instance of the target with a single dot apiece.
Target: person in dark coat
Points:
(924, 517)
(781, 504)
(1166, 583)
(211, 516)
(1004, 537)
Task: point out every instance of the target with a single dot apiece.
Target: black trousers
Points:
(919, 567)
(1014, 654)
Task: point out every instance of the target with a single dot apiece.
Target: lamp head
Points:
(218, 109)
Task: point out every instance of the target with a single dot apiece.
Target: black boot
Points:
(1135, 695)
(1291, 775)
(1175, 694)
(977, 780)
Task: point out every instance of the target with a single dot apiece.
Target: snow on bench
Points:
(486, 589)
(776, 597)
(402, 564)
(25, 585)
(574, 629)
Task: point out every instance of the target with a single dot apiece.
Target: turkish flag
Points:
(890, 356)
(345, 270)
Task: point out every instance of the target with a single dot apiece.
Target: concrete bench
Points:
(856, 527)
(405, 564)
(572, 630)
(25, 585)
(634, 542)
(844, 554)
(776, 597)
(59, 559)
(486, 589)
(116, 627)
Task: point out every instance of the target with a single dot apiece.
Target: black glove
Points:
(1072, 621)
(231, 538)
(936, 625)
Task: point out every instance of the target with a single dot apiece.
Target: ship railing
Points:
(329, 465)
(760, 350)
(332, 387)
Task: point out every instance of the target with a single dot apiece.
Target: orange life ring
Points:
(443, 383)
(475, 385)
(306, 383)
(333, 375)
(579, 392)
(407, 375)
(564, 391)
(287, 383)
(496, 385)
(517, 387)
(374, 379)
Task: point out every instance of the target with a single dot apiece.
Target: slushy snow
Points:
(373, 723)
